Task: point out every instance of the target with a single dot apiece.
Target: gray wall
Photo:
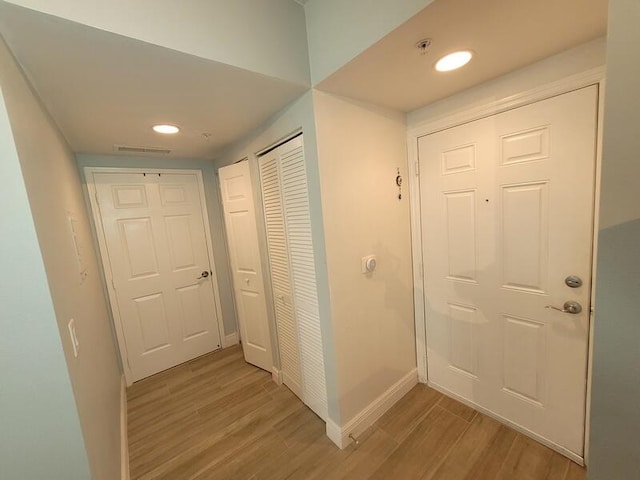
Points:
(615, 408)
(216, 221)
(55, 194)
(40, 434)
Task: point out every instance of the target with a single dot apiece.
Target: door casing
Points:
(106, 268)
(594, 76)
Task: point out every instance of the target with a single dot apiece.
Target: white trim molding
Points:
(230, 340)
(465, 115)
(124, 437)
(372, 412)
(416, 254)
(334, 432)
(276, 375)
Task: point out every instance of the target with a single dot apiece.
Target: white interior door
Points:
(157, 254)
(244, 253)
(507, 216)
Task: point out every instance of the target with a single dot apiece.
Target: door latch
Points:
(569, 307)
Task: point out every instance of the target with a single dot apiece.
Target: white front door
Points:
(158, 258)
(507, 216)
(244, 253)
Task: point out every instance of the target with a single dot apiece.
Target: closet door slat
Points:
(297, 217)
(287, 334)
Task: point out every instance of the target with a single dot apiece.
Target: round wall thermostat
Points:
(371, 264)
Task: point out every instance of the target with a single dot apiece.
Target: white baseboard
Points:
(369, 415)
(334, 432)
(276, 375)
(231, 339)
(124, 438)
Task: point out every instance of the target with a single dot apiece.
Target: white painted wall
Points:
(360, 148)
(340, 30)
(299, 116)
(53, 188)
(615, 395)
(214, 211)
(574, 61)
(267, 37)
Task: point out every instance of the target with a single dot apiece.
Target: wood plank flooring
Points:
(220, 418)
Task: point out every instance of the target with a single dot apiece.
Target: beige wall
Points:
(54, 190)
(360, 148)
(558, 67)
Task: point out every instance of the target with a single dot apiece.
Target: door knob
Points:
(204, 274)
(569, 307)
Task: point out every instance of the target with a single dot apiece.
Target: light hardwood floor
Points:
(219, 418)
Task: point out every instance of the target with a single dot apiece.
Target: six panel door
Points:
(507, 215)
(159, 262)
(248, 284)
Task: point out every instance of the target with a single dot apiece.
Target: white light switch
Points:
(369, 263)
(74, 338)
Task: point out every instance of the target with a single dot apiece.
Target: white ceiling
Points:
(504, 34)
(103, 89)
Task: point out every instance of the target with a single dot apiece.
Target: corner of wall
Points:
(342, 436)
(124, 438)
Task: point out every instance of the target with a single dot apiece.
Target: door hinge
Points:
(97, 198)
(113, 284)
(417, 169)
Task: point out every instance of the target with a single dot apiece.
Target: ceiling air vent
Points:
(129, 149)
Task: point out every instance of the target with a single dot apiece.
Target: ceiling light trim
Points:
(166, 129)
(454, 60)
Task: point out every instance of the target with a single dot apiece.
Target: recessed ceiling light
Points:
(453, 60)
(166, 129)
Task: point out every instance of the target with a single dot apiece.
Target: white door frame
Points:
(590, 77)
(106, 264)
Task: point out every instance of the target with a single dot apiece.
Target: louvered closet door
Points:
(280, 273)
(295, 199)
(293, 276)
